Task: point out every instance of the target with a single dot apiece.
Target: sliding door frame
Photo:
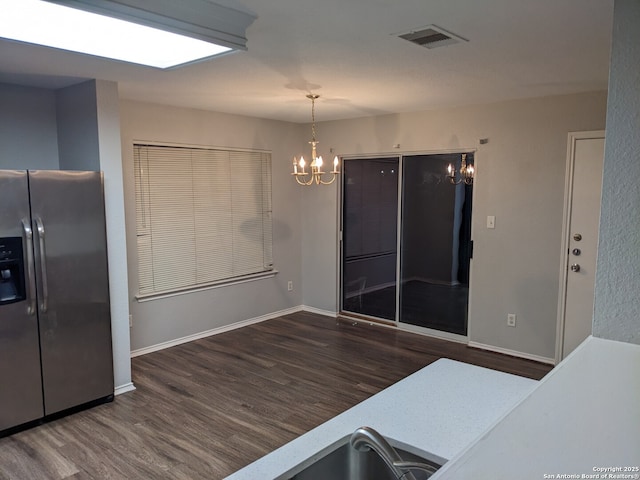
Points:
(396, 322)
(341, 311)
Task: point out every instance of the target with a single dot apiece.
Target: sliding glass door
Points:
(369, 233)
(435, 244)
(430, 254)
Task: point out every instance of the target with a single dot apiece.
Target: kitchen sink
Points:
(340, 461)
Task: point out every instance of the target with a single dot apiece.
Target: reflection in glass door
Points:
(369, 236)
(435, 244)
(433, 257)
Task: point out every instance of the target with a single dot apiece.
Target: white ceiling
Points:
(346, 51)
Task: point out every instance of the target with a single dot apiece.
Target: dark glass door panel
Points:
(435, 244)
(369, 249)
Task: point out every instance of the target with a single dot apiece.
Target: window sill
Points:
(197, 288)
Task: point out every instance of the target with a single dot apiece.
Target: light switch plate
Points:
(491, 221)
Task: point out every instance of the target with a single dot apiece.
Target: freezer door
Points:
(20, 386)
(67, 211)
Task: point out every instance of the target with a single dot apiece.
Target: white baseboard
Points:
(127, 387)
(226, 328)
(213, 331)
(513, 353)
(319, 311)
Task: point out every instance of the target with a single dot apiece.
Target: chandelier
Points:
(315, 175)
(466, 172)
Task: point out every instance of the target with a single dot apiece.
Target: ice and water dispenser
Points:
(12, 282)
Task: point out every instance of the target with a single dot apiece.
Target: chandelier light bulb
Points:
(466, 172)
(316, 173)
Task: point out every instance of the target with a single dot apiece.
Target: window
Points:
(203, 216)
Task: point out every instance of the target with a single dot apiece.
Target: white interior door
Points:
(582, 217)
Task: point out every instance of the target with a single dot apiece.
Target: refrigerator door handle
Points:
(31, 278)
(43, 265)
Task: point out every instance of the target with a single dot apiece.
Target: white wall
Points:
(28, 136)
(108, 150)
(166, 319)
(319, 246)
(520, 180)
(77, 123)
(617, 301)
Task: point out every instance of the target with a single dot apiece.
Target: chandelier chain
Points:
(313, 117)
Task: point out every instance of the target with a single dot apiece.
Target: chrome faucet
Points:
(366, 438)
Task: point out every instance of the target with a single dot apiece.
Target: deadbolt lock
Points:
(576, 251)
(577, 237)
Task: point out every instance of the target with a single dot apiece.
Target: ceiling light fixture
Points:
(316, 161)
(466, 172)
(136, 36)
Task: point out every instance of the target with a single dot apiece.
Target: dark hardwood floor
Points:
(204, 409)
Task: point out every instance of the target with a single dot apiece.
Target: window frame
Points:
(267, 272)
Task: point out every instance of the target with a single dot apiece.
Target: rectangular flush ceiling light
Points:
(58, 26)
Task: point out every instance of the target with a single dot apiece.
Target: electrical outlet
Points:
(511, 319)
(290, 285)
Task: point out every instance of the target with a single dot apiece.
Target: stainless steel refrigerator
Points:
(55, 326)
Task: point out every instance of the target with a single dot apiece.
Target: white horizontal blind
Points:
(203, 216)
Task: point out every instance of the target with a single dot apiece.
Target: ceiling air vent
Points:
(431, 36)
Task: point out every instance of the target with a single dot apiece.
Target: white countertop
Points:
(440, 409)
(583, 418)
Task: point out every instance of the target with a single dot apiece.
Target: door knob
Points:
(575, 267)
(576, 251)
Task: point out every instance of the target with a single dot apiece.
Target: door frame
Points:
(340, 227)
(464, 339)
(572, 138)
